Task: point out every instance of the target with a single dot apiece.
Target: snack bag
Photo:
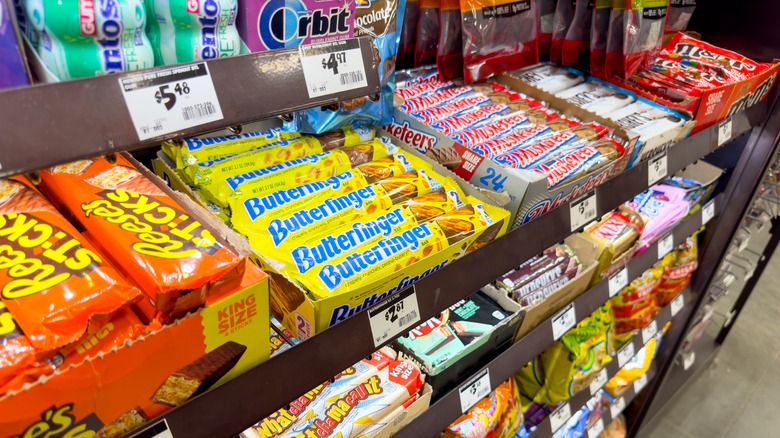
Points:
(408, 36)
(644, 33)
(449, 57)
(574, 49)
(427, 33)
(615, 39)
(678, 267)
(564, 14)
(146, 233)
(66, 289)
(711, 63)
(599, 33)
(483, 417)
(16, 353)
(633, 369)
(635, 305)
(498, 36)
(546, 18)
(680, 12)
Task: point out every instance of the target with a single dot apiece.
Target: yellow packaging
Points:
(296, 172)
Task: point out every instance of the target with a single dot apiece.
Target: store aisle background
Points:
(739, 392)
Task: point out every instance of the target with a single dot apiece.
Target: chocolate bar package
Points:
(541, 275)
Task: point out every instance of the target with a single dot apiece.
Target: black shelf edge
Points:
(225, 410)
(448, 407)
(49, 124)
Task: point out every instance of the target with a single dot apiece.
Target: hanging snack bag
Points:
(680, 12)
(546, 18)
(575, 44)
(644, 33)
(615, 37)
(564, 14)
(449, 58)
(427, 33)
(408, 35)
(498, 36)
(599, 32)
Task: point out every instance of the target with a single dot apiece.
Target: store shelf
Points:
(448, 407)
(222, 410)
(609, 413)
(50, 124)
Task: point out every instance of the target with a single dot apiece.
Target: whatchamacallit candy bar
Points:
(145, 232)
(53, 282)
(548, 77)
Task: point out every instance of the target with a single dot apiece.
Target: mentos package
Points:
(74, 44)
(184, 31)
(13, 69)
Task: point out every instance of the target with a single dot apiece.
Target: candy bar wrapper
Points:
(597, 97)
(620, 229)
(644, 33)
(548, 77)
(503, 126)
(521, 138)
(721, 65)
(409, 77)
(548, 148)
(408, 36)
(66, 289)
(421, 88)
(599, 33)
(618, 19)
(449, 57)
(482, 418)
(288, 174)
(498, 36)
(445, 96)
(16, 352)
(580, 162)
(646, 119)
(564, 14)
(145, 232)
(477, 116)
(546, 18)
(680, 12)
(124, 326)
(574, 49)
(428, 27)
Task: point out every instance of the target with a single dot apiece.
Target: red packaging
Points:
(644, 33)
(449, 57)
(615, 36)
(599, 32)
(16, 353)
(498, 36)
(564, 14)
(427, 33)
(546, 18)
(408, 35)
(680, 12)
(711, 59)
(576, 44)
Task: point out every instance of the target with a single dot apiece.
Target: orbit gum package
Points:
(67, 288)
(498, 36)
(146, 233)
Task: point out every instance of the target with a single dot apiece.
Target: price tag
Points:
(665, 246)
(649, 331)
(724, 131)
(474, 390)
(689, 359)
(657, 169)
(617, 407)
(708, 212)
(159, 430)
(677, 304)
(559, 417)
(563, 321)
(599, 381)
(640, 383)
(597, 429)
(618, 281)
(170, 100)
(396, 314)
(625, 354)
(582, 210)
(332, 67)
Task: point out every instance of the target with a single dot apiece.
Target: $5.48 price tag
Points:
(396, 314)
(474, 390)
(582, 210)
(170, 100)
(332, 67)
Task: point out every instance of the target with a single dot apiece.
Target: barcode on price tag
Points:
(563, 321)
(677, 304)
(332, 67)
(656, 169)
(559, 417)
(159, 430)
(583, 210)
(170, 100)
(649, 331)
(625, 354)
(665, 246)
(618, 281)
(708, 212)
(640, 383)
(474, 390)
(599, 381)
(617, 407)
(724, 131)
(396, 314)
(597, 429)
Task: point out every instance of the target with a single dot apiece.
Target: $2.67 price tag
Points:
(170, 100)
(332, 67)
(396, 314)
(474, 390)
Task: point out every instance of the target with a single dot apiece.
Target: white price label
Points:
(688, 360)
(559, 417)
(708, 212)
(617, 407)
(332, 67)
(625, 354)
(677, 304)
(665, 246)
(724, 131)
(582, 210)
(396, 314)
(618, 281)
(474, 390)
(649, 331)
(159, 430)
(599, 381)
(597, 429)
(657, 169)
(640, 383)
(170, 100)
(563, 321)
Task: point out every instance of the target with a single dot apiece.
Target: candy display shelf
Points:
(49, 124)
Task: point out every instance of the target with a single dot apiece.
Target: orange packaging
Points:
(16, 353)
(55, 284)
(147, 233)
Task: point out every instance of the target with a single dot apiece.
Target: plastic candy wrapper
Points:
(575, 425)
(546, 18)
(696, 193)
(16, 353)
(661, 207)
(449, 57)
(549, 78)
(498, 36)
(409, 77)
(473, 103)
(635, 305)
(155, 242)
(678, 267)
(408, 36)
(72, 289)
(644, 33)
(484, 417)
(599, 33)
(419, 88)
(476, 116)
(711, 63)
(538, 277)
(564, 14)
(446, 96)
(597, 97)
(615, 39)
(620, 229)
(579, 162)
(633, 369)
(574, 49)
(680, 12)
(647, 119)
(519, 140)
(503, 126)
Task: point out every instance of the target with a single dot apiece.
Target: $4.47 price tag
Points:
(170, 100)
(474, 390)
(582, 210)
(332, 67)
(396, 314)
